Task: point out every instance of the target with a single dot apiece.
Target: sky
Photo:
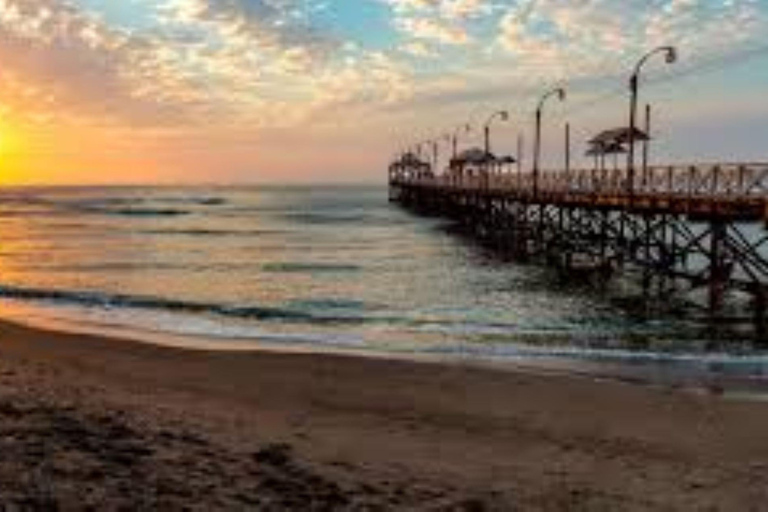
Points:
(230, 91)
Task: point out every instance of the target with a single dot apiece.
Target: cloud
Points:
(433, 30)
(463, 9)
(442, 21)
(277, 63)
(588, 38)
(418, 49)
(263, 28)
(248, 62)
(448, 9)
(615, 28)
(87, 68)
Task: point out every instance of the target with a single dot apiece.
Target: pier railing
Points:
(739, 189)
(748, 180)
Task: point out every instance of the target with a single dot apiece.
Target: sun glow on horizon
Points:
(10, 148)
(4, 141)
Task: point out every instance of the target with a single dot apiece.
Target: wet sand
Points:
(107, 423)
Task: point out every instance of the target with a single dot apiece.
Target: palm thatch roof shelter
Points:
(477, 161)
(409, 165)
(473, 156)
(602, 150)
(619, 135)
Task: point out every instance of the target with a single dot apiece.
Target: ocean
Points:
(319, 268)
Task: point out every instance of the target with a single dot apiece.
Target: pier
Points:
(697, 233)
(682, 229)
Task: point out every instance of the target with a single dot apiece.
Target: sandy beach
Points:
(87, 421)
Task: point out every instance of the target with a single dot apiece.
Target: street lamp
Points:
(454, 137)
(670, 56)
(501, 114)
(434, 143)
(423, 146)
(560, 92)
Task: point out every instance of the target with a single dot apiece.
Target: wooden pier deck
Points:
(684, 227)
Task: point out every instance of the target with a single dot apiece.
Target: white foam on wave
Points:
(744, 373)
(186, 329)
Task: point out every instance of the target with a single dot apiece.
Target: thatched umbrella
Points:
(600, 150)
(472, 159)
(410, 165)
(619, 135)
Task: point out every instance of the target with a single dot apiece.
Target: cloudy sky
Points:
(95, 91)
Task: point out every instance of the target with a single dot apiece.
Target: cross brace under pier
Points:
(719, 256)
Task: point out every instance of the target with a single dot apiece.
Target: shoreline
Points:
(663, 370)
(343, 431)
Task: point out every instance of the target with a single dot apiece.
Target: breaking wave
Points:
(110, 300)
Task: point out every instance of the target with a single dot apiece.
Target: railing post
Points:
(742, 178)
(646, 143)
(567, 150)
(670, 180)
(691, 180)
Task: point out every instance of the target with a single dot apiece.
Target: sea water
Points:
(318, 268)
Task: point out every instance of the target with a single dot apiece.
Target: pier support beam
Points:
(717, 268)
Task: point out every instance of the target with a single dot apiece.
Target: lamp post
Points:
(434, 143)
(560, 92)
(418, 149)
(454, 137)
(670, 56)
(501, 114)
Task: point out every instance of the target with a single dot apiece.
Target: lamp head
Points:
(671, 55)
(504, 115)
